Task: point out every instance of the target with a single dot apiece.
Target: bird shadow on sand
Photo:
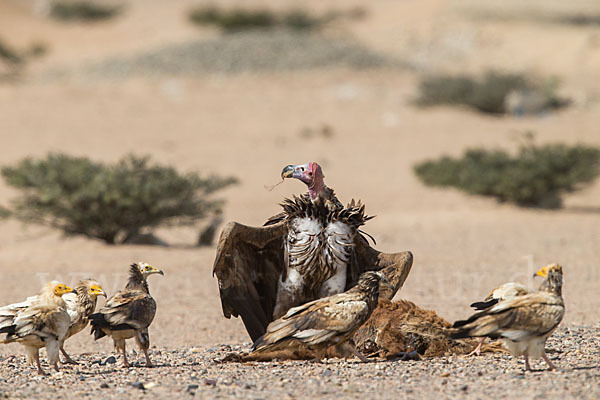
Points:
(587, 367)
(582, 209)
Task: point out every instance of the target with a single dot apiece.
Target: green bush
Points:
(9, 55)
(535, 177)
(4, 213)
(83, 10)
(109, 202)
(487, 94)
(240, 19)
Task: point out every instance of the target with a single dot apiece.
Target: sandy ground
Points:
(251, 125)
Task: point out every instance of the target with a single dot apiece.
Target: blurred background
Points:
(131, 130)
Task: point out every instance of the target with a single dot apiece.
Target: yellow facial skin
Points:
(96, 290)
(61, 289)
(543, 272)
(148, 269)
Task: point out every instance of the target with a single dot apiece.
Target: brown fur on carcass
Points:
(402, 326)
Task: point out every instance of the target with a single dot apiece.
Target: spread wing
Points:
(248, 266)
(250, 261)
(128, 309)
(395, 266)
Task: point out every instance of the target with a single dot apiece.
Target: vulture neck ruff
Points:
(136, 279)
(319, 245)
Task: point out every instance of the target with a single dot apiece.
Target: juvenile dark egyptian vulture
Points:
(524, 322)
(43, 323)
(128, 313)
(313, 249)
(309, 330)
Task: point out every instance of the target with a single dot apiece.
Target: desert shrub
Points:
(487, 94)
(535, 177)
(4, 213)
(579, 19)
(84, 10)
(109, 202)
(9, 54)
(240, 19)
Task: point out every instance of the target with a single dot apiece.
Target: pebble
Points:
(138, 385)
(110, 360)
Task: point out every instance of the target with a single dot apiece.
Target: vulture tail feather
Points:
(482, 305)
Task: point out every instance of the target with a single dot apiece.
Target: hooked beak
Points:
(288, 171)
(73, 291)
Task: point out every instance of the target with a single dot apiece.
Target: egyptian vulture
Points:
(313, 249)
(43, 323)
(79, 304)
(128, 313)
(309, 330)
(524, 323)
(503, 292)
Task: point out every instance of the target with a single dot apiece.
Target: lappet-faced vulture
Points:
(313, 249)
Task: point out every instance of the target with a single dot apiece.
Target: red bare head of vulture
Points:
(311, 174)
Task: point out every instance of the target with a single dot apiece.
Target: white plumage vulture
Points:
(42, 323)
(525, 322)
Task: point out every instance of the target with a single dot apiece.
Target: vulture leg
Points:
(144, 342)
(348, 347)
(52, 350)
(550, 364)
(477, 350)
(34, 355)
(68, 359)
(120, 345)
(527, 366)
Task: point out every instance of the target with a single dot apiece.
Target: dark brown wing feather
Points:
(248, 266)
(395, 266)
(128, 309)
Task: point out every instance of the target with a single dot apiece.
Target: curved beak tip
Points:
(161, 272)
(73, 291)
(287, 171)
